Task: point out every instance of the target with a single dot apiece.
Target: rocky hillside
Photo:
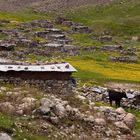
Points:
(101, 42)
(29, 113)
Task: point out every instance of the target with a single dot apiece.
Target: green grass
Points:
(84, 40)
(7, 124)
(34, 58)
(137, 114)
(23, 135)
(117, 19)
(2, 36)
(23, 16)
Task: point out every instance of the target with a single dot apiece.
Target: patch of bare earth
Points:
(128, 86)
(47, 5)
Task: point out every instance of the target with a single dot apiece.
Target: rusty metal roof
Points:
(59, 67)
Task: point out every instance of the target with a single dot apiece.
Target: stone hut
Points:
(7, 46)
(52, 77)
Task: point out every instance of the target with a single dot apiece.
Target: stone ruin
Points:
(64, 22)
(49, 86)
(112, 47)
(81, 29)
(7, 46)
(76, 28)
(129, 51)
(104, 38)
(126, 59)
(48, 40)
(35, 23)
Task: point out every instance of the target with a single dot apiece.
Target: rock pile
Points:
(112, 47)
(57, 111)
(100, 94)
(129, 51)
(126, 59)
(105, 38)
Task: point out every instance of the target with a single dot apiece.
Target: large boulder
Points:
(59, 110)
(100, 122)
(7, 107)
(25, 108)
(81, 98)
(29, 100)
(130, 120)
(120, 110)
(45, 108)
(4, 136)
(89, 119)
(135, 38)
(122, 127)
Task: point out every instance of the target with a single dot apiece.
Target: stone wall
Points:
(50, 86)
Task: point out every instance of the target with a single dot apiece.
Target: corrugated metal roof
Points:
(62, 67)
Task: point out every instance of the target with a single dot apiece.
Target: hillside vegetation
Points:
(122, 21)
(119, 18)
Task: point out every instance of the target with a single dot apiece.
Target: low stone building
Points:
(7, 46)
(81, 29)
(112, 48)
(52, 77)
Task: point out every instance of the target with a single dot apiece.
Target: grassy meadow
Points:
(96, 67)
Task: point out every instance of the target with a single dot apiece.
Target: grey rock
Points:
(130, 120)
(105, 38)
(59, 110)
(122, 127)
(89, 119)
(135, 38)
(120, 110)
(100, 121)
(54, 120)
(4, 136)
(7, 107)
(45, 108)
(81, 29)
(29, 100)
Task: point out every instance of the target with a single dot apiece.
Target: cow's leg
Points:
(110, 102)
(116, 103)
(119, 103)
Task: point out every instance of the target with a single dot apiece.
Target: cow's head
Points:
(123, 94)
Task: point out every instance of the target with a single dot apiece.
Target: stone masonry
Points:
(50, 86)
